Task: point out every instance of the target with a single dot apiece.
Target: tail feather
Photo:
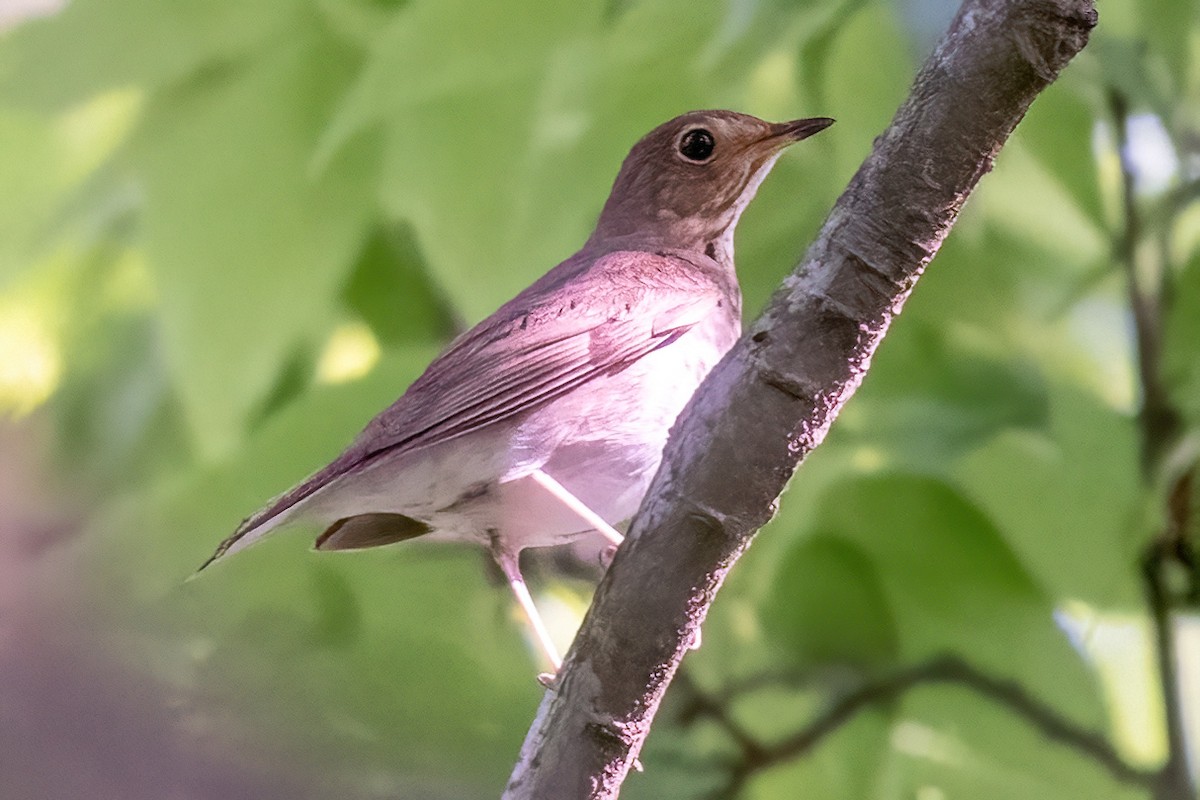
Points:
(280, 509)
(250, 531)
(370, 530)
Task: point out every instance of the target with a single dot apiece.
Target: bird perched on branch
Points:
(547, 420)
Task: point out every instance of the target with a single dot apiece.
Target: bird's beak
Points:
(784, 133)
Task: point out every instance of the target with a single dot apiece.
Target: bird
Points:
(546, 421)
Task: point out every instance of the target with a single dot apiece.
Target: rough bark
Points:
(771, 400)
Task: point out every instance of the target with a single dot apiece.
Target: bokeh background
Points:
(231, 232)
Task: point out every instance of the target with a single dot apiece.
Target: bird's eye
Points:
(697, 145)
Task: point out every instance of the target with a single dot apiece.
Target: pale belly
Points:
(607, 442)
(602, 442)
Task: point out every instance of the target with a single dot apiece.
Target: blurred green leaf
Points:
(97, 45)
(868, 76)
(1170, 26)
(1035, 211)
(954, 585)
(392, 290)
(1127, 67)
(828, 607)
(47, 159)
(27, 164)
(958, 743)
(1069, 497)
(339, 618)
(117, 417)
(1181, 366)
(361, 21)
(848, 765)
(814, 63)
(477, 105)
(294, 377)
(1058, 132)
(934, 395)
(249, 245)
(424, 678)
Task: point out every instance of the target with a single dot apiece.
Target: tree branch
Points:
(786, 380)
(946, 669)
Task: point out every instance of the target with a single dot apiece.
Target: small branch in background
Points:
(757, 757)
(1160, 427)
(700, 704)
(1180, 535)
(1160, 421)
(1172, 551)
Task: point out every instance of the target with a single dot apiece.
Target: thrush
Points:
(547, 420)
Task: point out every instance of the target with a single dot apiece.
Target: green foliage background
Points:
(231, 232)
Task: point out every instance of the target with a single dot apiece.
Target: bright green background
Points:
(232, 231)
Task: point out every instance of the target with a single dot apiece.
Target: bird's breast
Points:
(604, 441)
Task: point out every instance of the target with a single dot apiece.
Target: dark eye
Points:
(697, 144)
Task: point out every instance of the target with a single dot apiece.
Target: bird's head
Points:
(685, 184)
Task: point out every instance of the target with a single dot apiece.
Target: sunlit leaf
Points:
(28, 166)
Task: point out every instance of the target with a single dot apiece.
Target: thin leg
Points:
(575, 504)
(512, 570)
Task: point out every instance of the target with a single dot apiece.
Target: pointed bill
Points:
(788, 132)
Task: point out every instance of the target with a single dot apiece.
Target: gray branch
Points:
(772, 398)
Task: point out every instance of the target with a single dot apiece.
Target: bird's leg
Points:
(511, 568)
(576, 505)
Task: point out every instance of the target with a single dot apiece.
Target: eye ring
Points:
(697, 145)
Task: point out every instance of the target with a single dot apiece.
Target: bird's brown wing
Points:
(548, 341)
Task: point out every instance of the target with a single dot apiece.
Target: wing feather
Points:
(545, 343)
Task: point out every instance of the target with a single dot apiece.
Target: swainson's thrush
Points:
(547, 420)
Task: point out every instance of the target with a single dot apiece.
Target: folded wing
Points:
(548, 341)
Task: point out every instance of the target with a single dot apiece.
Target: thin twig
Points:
(702, 704)
(946, 669)
(1172, 547)
(1161, 423)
